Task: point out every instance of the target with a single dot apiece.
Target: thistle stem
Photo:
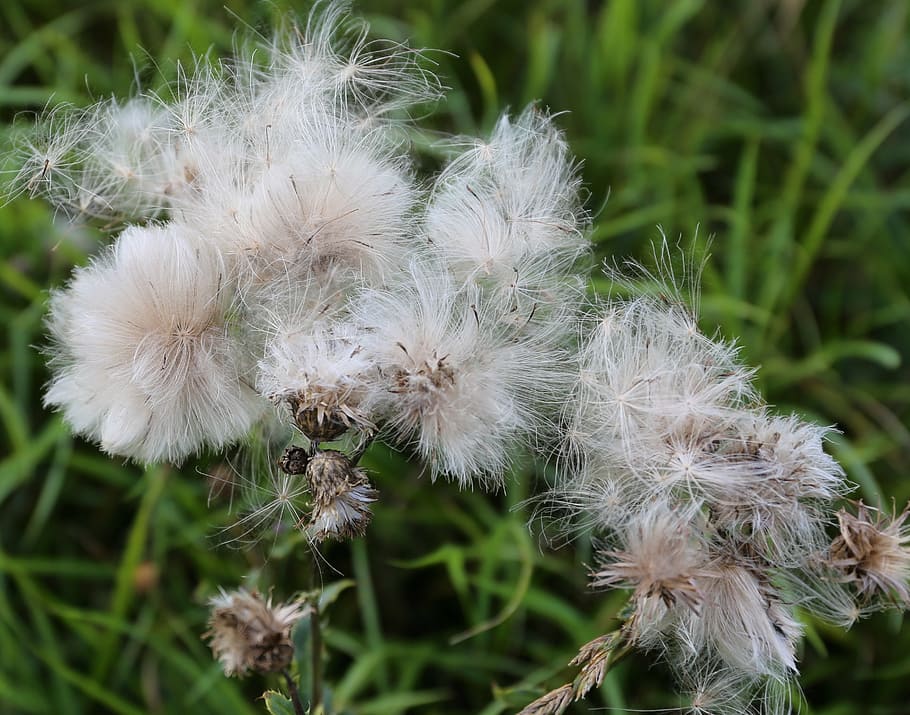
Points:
(316, 654)
(294, 693)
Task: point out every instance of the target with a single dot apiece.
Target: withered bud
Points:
(871, 552)
(341, 496)
(325, 421)
(294, 460)
(247, 633)
(319, 426)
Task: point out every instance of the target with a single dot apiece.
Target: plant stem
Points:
(316, 652)
(294, 693)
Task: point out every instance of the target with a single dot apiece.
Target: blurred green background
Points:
(777, 127)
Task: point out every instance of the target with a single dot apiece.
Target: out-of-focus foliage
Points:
(778, 127)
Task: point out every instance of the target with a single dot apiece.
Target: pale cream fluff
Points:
(143, 358)
(449, 378)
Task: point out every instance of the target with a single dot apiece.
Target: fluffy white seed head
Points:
(775, 486)
(299, 96)
(652, 395)
(649, 374)
(661, 556)
(663, 414)
(333, 198)
(320, 370)
(505, 213)
(102, 161)
(449, 379)
(334, 56)
(144, 361)
(743, 622)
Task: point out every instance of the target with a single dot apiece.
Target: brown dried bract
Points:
(294, 460)
(341, 495)
(247, 633)
(871, 552)
(325, 415)
(325, 430)
(329, 474)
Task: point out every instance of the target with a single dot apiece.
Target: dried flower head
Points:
(871, 551)
(249, 633)
(341, 497)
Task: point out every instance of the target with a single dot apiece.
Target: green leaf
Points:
(277, 703)
(400, 702)
(302, 638)
(330, 593)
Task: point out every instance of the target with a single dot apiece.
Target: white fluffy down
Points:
(144, 362)
(449, 379)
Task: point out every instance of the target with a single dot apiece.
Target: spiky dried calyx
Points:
(872, 552)
(330, 473)
(319, 426)
(341, 495)
(247, 633)
(294, 460)
(325, 418)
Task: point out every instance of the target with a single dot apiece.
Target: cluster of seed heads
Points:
(285, 277)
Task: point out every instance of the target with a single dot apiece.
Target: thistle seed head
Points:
(871, 552)
(662, 558)
(341, 495)
(247, 633)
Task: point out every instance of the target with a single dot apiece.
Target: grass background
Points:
(779, 127)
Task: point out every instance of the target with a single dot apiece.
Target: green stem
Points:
(316, 648)
(294, 693)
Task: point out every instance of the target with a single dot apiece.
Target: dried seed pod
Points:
(318, 424)
(247, 633)
(294, 460)
(341, 496)
(871, 551)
